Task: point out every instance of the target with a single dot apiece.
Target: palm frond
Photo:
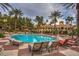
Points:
(16, 12)
(69, 5)
(3, 8)
(6, 6)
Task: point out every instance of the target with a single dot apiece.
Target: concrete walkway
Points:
(70, 52)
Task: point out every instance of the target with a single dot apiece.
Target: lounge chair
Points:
(12, 42)
(54, 46)
(75, 41)
(67, 43)
(36, 48)
(44, 46)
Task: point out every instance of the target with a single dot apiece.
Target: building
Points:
(61, 26)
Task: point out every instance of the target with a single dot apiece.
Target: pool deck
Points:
(22, 50)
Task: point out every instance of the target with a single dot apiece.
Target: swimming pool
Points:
(33, 38)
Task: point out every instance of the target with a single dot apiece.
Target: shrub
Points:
(65, 32)
(47, 32)
(77, 31)
(55, 31)
(1, 35)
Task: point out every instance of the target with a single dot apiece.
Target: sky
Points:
(43, 9)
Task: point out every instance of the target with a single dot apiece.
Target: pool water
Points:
(33, 38)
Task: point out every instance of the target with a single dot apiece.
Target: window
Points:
(62, 28)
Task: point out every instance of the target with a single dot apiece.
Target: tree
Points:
(5, 6)
(54, 15)
(70, 19)
(16, 13)
(72, 5)
(29, 24)
(1, 23)
(39, 20)
(5, 16)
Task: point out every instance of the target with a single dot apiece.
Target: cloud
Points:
(43, 9)
(40, 9)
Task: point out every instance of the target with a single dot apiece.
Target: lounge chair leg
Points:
(32, 53)
(48, 50)
(41, 51)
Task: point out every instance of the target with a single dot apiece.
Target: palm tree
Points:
(1, 21)
(4, 21)
(54, 15)
(39, 20)
(29, 24)
(76, 5)
(68, 20)
(72, 5)
(16, 13)
(0, 16)
(5, 6)
(5, 16)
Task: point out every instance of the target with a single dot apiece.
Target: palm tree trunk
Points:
(15, 21)
(72, 29)
(77, 7)
(55, 28)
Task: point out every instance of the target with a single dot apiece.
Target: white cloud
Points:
(42, 9)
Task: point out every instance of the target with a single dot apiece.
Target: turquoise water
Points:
(33, 38)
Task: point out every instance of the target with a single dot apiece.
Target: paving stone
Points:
(75, 49)
(23, 46)
(10, 53)
(23, 52)
(10, 47)
(55, 54)
(69, 52)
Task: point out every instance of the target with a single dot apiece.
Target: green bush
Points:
(47, 32)
(74, 32)
(77, 31)
(55, 31)
(1, 35)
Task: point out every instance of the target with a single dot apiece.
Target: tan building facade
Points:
(61, 26)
